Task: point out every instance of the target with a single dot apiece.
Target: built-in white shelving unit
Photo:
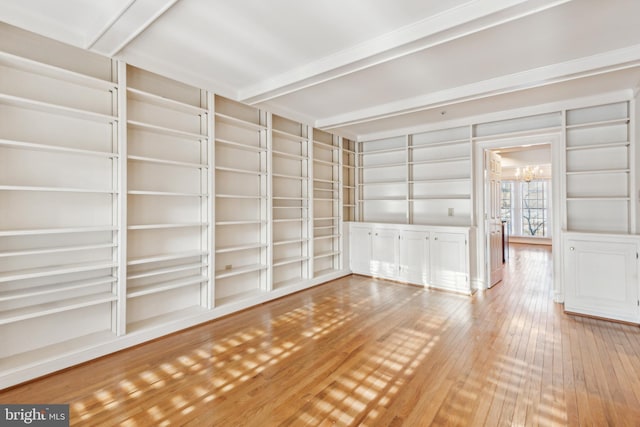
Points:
(60, 235)
(598, 167)
(168, 199)
(349, 199)
(242, 204)
(291, 216)
(440, 177)
(422, 178)
(327, 212)
(382, 178)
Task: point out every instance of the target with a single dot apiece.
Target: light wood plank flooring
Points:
(360, 351)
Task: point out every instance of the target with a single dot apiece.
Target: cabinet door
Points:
(413, 257)
(449, 262)
(383, 254)
(601, 279)
(360, 250)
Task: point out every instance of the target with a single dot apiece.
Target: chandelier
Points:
(528, 173)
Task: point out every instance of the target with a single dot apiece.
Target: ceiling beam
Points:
(620, 59)
(449, 25)
(135, 17)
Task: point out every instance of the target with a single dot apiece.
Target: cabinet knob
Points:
(572, 248)
(369, 233)
(435, 238)
(376, 234)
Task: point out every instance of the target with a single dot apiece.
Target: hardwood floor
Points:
(359, 351)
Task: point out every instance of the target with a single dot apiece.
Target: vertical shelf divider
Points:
(120, 166)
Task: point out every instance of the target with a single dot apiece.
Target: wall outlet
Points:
(450, 212)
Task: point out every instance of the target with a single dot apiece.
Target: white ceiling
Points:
(362, 67)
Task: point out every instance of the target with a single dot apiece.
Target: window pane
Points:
(534, 209)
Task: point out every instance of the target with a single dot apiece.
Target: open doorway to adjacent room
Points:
(517, 199)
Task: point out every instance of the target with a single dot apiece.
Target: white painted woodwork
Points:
(384, 262)
(414, 256)
(423, 58)
(601, 275)
(493, 173)
(438, 257)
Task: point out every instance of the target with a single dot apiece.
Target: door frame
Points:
(482, 255)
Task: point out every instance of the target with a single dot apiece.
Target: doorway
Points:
(528, 200)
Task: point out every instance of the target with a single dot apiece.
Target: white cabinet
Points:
(413, 254)
(449, 261)
(423, 255)
(383, 253)
(360, 245)
(601, 276)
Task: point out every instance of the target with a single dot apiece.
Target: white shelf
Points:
(383, 151)
(54, 148)
(238, 297)
(383, 165)
(290, 260)
(440, 144)
(348, 205)
(282, 175)
(288, 155)
(57, 73)
(138, 291)
(330, 236)
(276, 221)
(240, 222)
(46, 107)
(55, 270)
(599, 146)
(324, 145)
(326, 199)
(55, 249)
(381, 199)
(166, 257)
(442, 197)
(16, 315)
(55, 189)
(291, 136)
(325, 271)
(239, 248)
(444, 160)
(61, 230)
(221, 274)
(234, 121)
(289, 282)
(621, 121)
(326, 218)
(164, 193)
(326, 254)
(165, 131)
(325, 227)
(240, 145)
(237, 170)
(325, 162)
(288, 198)
(151, 98)
(461, 179)
(289, 242)
(166, 318)
(55, 288)
(399, 181)
(598, 171)
(238, 196)
(167, 162)
(289, 207)
(166, 270)
(328, 181)
(166, 226)
(599, 198)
